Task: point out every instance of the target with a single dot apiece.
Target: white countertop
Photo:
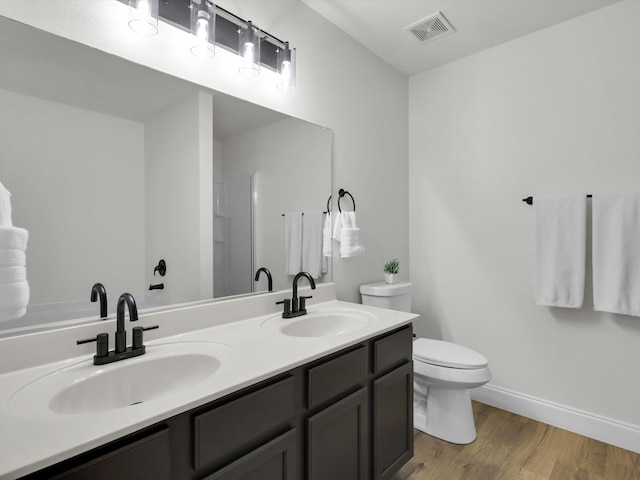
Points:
(252, 350)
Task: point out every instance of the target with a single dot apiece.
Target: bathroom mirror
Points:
(113, 167)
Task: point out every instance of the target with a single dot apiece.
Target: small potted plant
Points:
(391, 271)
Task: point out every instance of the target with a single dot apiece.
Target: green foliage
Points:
(392, 266)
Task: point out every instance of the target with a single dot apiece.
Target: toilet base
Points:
(447, 415)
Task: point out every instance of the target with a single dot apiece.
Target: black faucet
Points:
(121, 333)
(295, 306)
(121, 351)
(98, 290)
(268, 274)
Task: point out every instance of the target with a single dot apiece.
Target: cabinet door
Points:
(145, 459)
(338, 440)
(275, 460)
(392, 421)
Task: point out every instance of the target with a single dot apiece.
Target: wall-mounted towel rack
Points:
(324, 213)
(328, 206)
(342, 193)
(529, 200)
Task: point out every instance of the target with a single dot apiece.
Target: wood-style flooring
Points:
(511, 447)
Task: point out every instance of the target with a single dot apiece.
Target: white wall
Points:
(78, 193)
(340, 84)
(553, 112)
(178, 194)
(280, 181)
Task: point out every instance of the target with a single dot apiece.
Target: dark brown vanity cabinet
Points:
(347, 416)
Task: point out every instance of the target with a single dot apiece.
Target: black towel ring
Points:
(329, 204)
(342, 193)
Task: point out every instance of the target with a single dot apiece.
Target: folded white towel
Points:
(13, 274)
(5, 206)
(13, 238)
(293, 242)
(616, 255)
(559, 249)
(14, 298)
(312, 241)
(12, 258)
(351, 244)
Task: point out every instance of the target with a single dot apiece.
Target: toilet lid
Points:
(446, 354)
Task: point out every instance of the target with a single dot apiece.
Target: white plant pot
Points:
(390, 278)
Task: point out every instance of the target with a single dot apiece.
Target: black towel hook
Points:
(341, 193)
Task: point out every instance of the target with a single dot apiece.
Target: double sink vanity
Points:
(225, 390)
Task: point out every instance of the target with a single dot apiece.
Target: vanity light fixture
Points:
(249, 50)
(143, 16)
(211, 26)
(203, 27)
(286, 67)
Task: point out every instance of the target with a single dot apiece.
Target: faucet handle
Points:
(102, 344)
(303, 303)
(287, 305)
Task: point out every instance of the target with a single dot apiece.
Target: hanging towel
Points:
(327, 242)
(337, 227)
(312, 241)
(559, 249)
(616, 253)
(5, 206)
(326, 236)
(350, 236)
(292, 242)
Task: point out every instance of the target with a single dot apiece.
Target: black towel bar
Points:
(529, 200)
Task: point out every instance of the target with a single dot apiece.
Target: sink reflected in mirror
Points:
(330, 323)
(84, 388)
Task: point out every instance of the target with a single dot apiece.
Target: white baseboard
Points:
(606, 430)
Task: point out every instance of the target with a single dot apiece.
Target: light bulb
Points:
(203, 29)
(143, 16)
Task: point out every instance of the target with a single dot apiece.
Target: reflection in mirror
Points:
(113, 166)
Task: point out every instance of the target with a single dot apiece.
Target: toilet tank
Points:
(395, 296)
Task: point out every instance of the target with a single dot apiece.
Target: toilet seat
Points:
(446, 354)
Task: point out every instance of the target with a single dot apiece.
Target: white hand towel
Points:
(616, 253)
(5, 206)
(337, 227)
(14, 298)
(327, 247)
(350, 236)
(293, 242)
(12, 258)
(312, 240)
(559, 249)
(13, 238)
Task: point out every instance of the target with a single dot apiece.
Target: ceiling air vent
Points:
(430, 28)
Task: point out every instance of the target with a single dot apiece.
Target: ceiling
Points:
(479, 24)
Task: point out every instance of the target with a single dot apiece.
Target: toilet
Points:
(443, 373)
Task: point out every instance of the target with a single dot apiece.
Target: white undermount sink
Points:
(329, 323)
(86, 388)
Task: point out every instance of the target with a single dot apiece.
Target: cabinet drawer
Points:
(145, 459)
(275, 460)
(232, 430)
(392, 350)
(336, 376)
